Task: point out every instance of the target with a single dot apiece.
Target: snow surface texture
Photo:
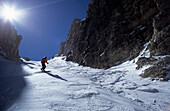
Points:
(12, 82)
(66, 86)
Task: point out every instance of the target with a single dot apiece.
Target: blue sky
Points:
(45, 24)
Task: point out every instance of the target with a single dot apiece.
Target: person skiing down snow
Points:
(43, 61)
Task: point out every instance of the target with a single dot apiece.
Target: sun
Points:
(9, 13)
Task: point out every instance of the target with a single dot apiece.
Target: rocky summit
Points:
(9, 41)
(115, 31)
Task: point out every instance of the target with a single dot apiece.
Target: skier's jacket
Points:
(44, 60)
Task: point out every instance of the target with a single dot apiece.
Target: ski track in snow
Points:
(70, 87)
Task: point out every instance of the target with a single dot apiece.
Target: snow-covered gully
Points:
(70, 87)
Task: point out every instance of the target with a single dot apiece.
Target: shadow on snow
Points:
(12, 83)
(55, 76)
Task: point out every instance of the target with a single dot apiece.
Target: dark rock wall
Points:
(160, 43)
(116, 30)
(9, 41)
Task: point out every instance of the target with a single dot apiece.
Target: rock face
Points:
(9, 41)
(116, 30)
(159, 44)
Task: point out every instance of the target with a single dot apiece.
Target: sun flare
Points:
(9, 13)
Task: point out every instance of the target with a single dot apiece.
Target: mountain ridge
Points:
(116, 31)
(9, 41)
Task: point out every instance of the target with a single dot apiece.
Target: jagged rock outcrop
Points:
(159, 44)
(116, 30)
(26, 58)
(9, 41)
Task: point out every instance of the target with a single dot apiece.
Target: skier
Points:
(43, 61)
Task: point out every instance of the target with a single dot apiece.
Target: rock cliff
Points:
(9, 41)
(115, 31)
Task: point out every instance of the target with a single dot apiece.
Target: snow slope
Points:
(12, 82)
(70, 87)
